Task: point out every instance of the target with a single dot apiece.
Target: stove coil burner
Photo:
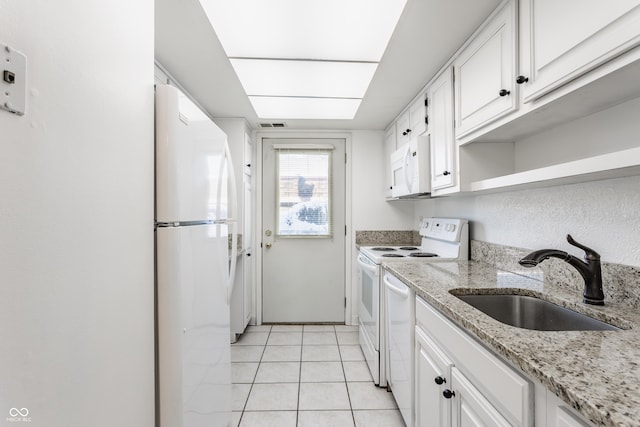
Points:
(423, 255)
(383, 249)
(393, 255)
(409, 248)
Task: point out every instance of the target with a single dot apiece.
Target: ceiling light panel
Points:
(356, 30)
(304, 78)
(304, 108)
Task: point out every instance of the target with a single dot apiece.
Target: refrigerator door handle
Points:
(233, 202)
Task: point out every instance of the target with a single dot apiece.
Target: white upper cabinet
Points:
(568, 38)
(443, 144)
(403, 129)
(412, 122)
(485, 73)
(418, 117)
(389, 148)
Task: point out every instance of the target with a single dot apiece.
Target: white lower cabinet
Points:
(433, 376)
(470, 407)
(461, 383)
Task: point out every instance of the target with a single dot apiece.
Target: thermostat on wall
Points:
(13, 67)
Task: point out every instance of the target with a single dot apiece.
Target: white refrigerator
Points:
(195, 240)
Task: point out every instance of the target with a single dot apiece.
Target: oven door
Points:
(369, 313)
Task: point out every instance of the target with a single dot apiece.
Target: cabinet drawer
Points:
(506, 389)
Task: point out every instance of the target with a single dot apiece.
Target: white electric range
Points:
(442, 238)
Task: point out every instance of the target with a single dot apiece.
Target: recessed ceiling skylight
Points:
(304, 78)
(334, 45)
(270, 107)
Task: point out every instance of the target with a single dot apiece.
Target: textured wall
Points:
(604, 215)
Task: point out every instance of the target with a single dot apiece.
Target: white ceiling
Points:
(428, 33)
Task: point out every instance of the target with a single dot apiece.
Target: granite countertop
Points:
(596, 372)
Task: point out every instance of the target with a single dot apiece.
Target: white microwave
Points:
(410, 169)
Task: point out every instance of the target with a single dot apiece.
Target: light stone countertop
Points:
(596, 372)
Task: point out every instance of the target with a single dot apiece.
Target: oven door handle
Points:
(365, 265)
(404, 293)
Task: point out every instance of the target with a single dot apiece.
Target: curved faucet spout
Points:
(589, 269)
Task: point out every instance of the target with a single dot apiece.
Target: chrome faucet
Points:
(589, 269)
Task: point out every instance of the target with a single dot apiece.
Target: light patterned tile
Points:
(246, 353)
(285, 338)
(239, 394)
(320, 353)
(286, 328)
(235, 418)
(357, 371)
(317, 372)
(346, 328)
(282, 353)
(278, 372)
(323, 396)
(258, 328)
(319, 328)
(243, 373)
(351, 353)
(269, 419)
(347, 338)
(325, 419)
(368, 396)
(273, 397)
(378, 418)
(253, 338)
(319, 338)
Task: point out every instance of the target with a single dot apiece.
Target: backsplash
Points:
(621, 283)
(387, 237)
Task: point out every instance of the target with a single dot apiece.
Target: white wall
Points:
(601, 214)
(370, 210)
(76, 217)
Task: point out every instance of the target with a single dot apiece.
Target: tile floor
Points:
(311, 375)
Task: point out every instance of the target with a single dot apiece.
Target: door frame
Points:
(258, 137)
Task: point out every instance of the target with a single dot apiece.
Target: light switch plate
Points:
(13, 75)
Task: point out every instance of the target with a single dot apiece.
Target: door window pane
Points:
(304, 193)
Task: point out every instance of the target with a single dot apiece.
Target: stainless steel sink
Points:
(533, 313)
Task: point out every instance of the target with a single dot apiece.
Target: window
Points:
(304, 192)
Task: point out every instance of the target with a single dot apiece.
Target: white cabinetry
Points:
(569, 38)
(560, 415)
(470, 407)
(241, 148)
(482, 389)
(418, 116)
(485, 72)
(403, 129)
(433, 376)
(412, 122)
(400, 303)
(389, 148)
(443, 143)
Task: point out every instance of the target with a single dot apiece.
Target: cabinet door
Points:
(599, 31)
(440, 96)
(418, 117)
(433, 375)
(470, 407)
(485, 86)
(389, 148)
(403, 129)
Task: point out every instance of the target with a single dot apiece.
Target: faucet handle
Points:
(590, 254)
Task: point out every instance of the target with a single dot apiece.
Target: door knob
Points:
(268, 245)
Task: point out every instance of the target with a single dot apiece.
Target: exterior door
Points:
(303, 231)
